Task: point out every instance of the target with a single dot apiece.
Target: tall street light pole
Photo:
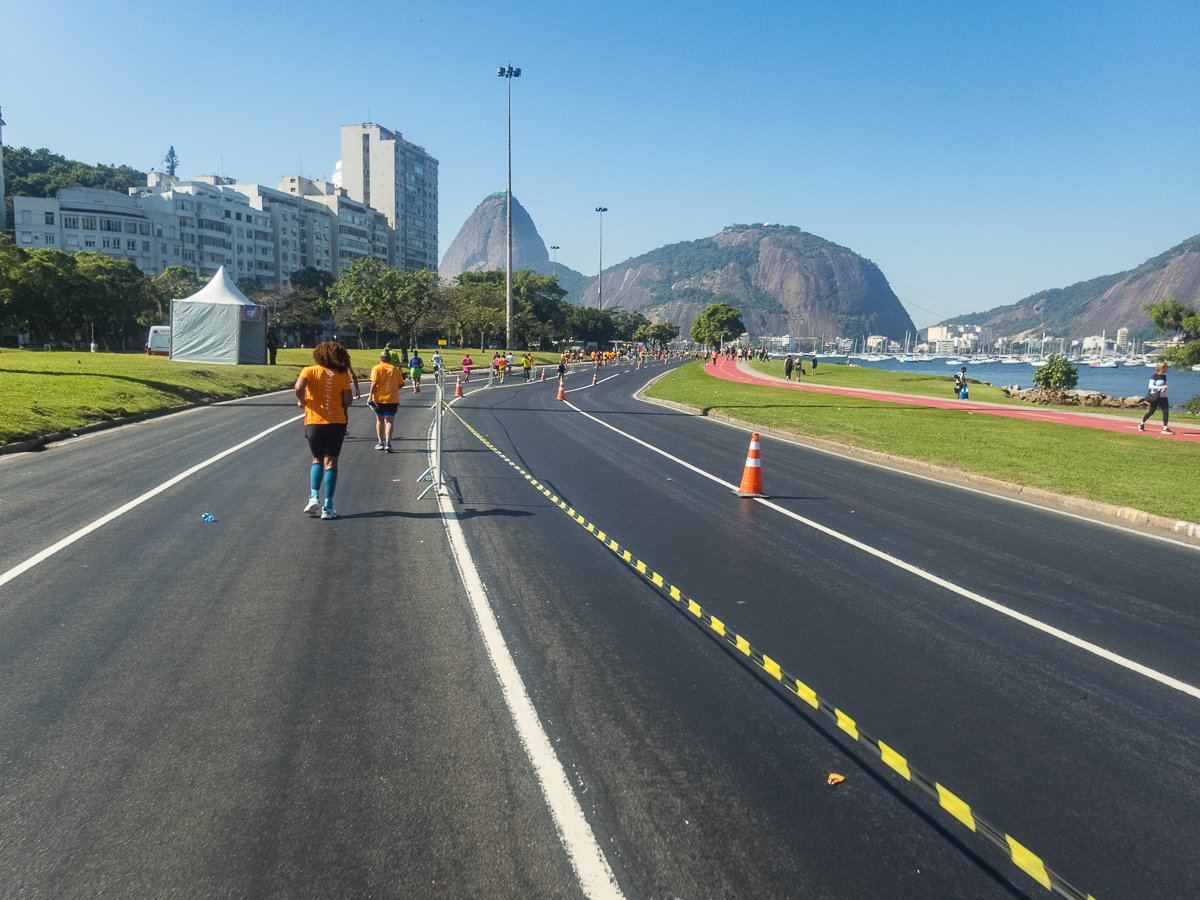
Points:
(508, 73)
(600, 280)
(554, 262)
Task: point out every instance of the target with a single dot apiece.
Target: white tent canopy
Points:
(217, 324)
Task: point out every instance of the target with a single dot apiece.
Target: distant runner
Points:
(416, 366)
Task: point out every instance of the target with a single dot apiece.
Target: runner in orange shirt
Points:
(386, 381)
(324, 392)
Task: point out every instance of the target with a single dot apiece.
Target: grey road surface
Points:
(276, 706)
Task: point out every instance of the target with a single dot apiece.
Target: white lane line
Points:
(586, 386)
(591, 868)
(1123, 661)
(137, 501)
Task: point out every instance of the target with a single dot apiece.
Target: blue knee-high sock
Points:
(330, 484)
(315, 478)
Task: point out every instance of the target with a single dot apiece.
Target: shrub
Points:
(1055, 377)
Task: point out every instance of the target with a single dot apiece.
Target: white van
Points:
(160, 341)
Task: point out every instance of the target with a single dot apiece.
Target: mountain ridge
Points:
(1101, 304)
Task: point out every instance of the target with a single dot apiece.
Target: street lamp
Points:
(554, 262)
(508, 73)
(600, 280)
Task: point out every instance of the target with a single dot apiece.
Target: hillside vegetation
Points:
(40, 173)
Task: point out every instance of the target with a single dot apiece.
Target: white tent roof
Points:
(220, 289)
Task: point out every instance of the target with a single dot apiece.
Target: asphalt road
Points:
(276, 706)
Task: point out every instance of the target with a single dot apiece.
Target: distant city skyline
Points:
(976, 155)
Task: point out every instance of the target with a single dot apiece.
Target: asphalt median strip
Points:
(1020, 855)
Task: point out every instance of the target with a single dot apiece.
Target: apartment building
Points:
(217, 226)
(359, 232)
(209, 222)
(381, 170)
(101, 222)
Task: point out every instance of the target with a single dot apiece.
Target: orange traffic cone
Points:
(593, 381)
(752, 474)
(458, 387)
(562, 394)
(639, 363)
(543, 374)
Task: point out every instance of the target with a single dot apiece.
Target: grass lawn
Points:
(921, 384)
(1136, 470)
(45, 393)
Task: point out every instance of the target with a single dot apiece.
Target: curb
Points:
(41, 441)
(905, 464)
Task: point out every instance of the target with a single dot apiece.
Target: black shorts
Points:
(325, 440)
(386, 409)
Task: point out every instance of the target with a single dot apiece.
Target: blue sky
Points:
(976, 154)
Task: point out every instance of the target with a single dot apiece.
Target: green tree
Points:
(1171, 315)
(114, 295)
(369, 294)
(172, 161)
(662, 333)
(588, 324)
(716, 324)
(626, 325)
(1055, 377)
(177, 282)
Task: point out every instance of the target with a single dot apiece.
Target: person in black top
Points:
(272, 348)
(1157, 395)
(787, 367)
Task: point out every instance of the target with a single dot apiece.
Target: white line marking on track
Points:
(137, 501)
(595, 877)
(589, 384)
(1123, 661)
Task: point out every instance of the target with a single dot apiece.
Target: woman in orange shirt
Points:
(323, 391)
(386, 381)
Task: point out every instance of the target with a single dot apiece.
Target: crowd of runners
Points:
(327, 389)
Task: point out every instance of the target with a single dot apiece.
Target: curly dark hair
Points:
(332, 355)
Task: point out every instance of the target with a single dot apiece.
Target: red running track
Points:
(731, 371)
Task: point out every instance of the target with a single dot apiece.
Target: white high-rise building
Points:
(381, 170)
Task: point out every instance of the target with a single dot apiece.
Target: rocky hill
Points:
(481, 245)
(784, 280)
(1102, 304)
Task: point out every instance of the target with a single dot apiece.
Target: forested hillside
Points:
(40, 173)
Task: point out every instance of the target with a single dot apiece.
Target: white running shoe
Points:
(312, 505)
(1167, 431)
(328, 512)
(380, 446)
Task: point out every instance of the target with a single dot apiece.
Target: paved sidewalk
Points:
(742, 373)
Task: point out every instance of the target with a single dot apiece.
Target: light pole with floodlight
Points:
(508, 73)
(600, 280)
(554, 261)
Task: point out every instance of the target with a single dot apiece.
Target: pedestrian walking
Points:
(323, 390)
(960, 384)
(814, 364)
(787, 367)
(272, 348)
(1156, 396)
(384, 398)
